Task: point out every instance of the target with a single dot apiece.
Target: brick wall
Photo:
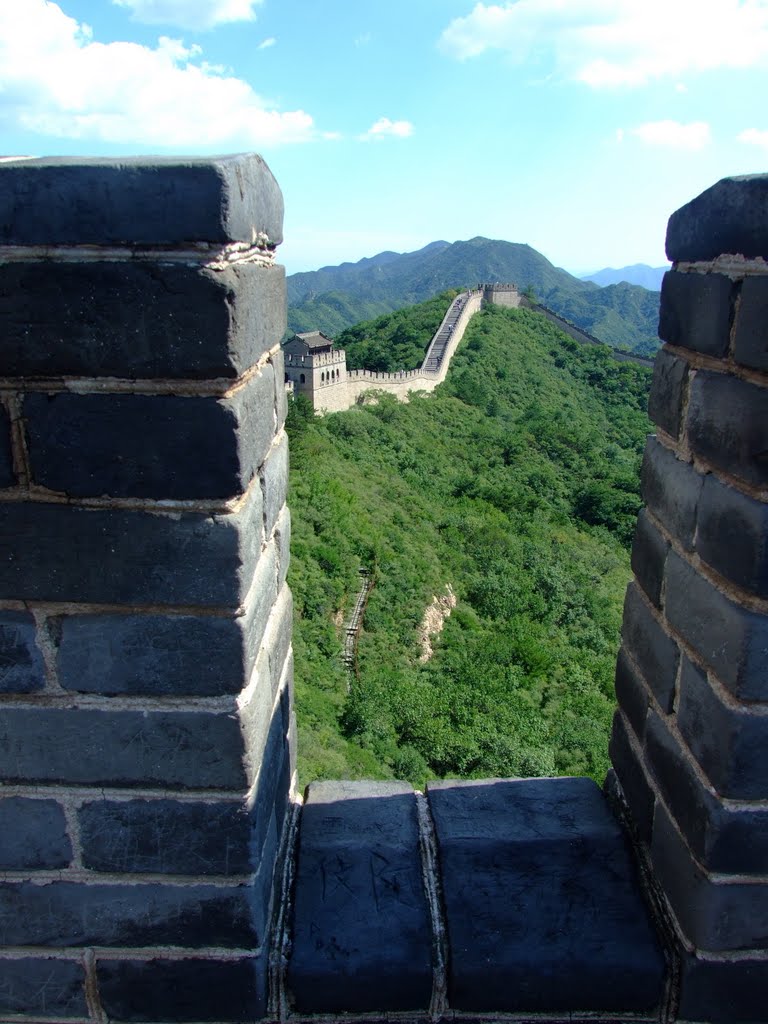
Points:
(690, 737)
(146, 727)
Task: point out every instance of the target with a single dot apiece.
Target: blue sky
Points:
(576, 126)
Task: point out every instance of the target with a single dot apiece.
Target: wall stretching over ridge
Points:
(146, 728)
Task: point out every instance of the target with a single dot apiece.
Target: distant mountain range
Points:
(333, 298)
(638, 273)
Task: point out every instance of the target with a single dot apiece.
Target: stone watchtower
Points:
(318, 370)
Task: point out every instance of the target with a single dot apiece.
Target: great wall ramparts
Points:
(157, 863)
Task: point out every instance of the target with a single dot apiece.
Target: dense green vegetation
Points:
(517, 483)
(331, 299)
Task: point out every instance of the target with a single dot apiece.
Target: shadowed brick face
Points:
(690, 737)
(143, 553)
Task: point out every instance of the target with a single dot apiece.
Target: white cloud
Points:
(617, 42)
(195, 15)
(266, 43)
(384, 127)
(693, 136)
(57, 81)
(754, 137)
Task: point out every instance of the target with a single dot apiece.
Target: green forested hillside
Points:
(516, 483)
(334, 298)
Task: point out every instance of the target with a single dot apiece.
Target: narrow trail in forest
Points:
(355, 621)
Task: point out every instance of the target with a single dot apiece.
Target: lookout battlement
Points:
(157, 863)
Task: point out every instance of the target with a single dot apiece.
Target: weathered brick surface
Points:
(723, 991)
(281, 396)
(277, 639)
(631, 693)
(166, 837)
(728, 425)
(714, 915)
(728, 741)
(671, 490)
(138, 320)
(732, 640)
(723, 838)
(155, 655)
(627, 764)
(695, 312)
(655, 653)
(34, 835)
(260, 601)
(283, 541)
(138, 201)
(64, 914)
(649, 555)
(732, 535)
(729, 217)
(150, 446)
(185, 749)
(183, 990)
(42, 987)
(751, 335)
(21, 664)
(7, 475)
(275, 482)
(62, 553)
(542, 907)
(361, 934)
(665, 402)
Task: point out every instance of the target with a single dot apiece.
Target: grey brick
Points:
(631, 693)
(33, 835)
(152, 654)
(671, 489)
(138, 201)
(722, 837)
(649, 555)
(714, 915)
(751, 335)
(283, 541)
(184, 990)
(260, 601)
(656, 654)
(137, 320)
(277, 639)
(695, 312)
(275, 483)
(21, 664)
(542, 906)
(361, 935)
(723, 991)
(281, 396)
(729, 217)
(64, 914)
(629, 768)
(187, 749)
(43, 987)
(728, 425)
(7, 475)
(166, 837)
(732, 535)
(732, 640)
(729, 742)
(670, 380)
(117, 556)
(150, 446)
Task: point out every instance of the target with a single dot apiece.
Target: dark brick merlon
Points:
(649, 556)
(361, 932)
(138, 320)
(150, 446)
(729, 217)
(671, 489)
(666, 402)
(543, 908)
(653, 650)
(153, 201)
(43, 987)
(732, 535)
(629, 764)
(724, 989)
(119, 556)
(695, 313)
(199, 989)
(751, 336)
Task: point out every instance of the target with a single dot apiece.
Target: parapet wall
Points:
(146, 726)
